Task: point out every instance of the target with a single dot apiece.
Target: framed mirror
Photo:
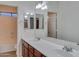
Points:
(29, 21)
(25, 22)
(32, 21)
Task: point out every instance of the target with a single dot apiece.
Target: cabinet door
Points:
(26, 52)
(26, 45)
(23, 50)
(31, 54)
(31, 49)
(37, 53)
(31, 23)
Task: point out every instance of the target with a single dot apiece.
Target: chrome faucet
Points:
(68, 49)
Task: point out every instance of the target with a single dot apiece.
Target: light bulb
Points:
(27, 13)
(44, 7)
(38, 6)
(25, 17)
(31, 14)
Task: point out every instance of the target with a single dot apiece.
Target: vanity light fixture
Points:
(41, 6)
(45, 7)
(38, 6)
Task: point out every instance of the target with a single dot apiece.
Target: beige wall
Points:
(52, 24)
(8, 29)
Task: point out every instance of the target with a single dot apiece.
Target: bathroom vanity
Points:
(48, 47)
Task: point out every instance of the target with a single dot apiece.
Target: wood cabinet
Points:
(29, 51)
(26, 52)
(37, 53)
(25, 49)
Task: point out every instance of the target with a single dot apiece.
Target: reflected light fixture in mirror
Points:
(45, 7)
(31, 14)
(27, 13)
(25, 16)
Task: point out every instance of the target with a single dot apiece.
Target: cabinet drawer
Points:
(37, 53)
(25, 44)
(31, 49)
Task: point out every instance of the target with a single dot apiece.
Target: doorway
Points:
(8, 29)
(52, 24)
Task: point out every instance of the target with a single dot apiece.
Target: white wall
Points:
(68, 18)
(52, 6)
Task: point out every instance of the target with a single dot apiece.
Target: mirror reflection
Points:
(29, 21)
(39, 21)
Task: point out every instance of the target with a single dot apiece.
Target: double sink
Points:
(54, 50)
(50, 49)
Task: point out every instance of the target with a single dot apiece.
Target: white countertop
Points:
(50, 49)
(63, 42)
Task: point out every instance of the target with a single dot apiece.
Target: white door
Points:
(52, 25)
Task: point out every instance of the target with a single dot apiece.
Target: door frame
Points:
(16, 22)
(56, 20)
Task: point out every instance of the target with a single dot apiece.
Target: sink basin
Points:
(56, 49)
(63, 53)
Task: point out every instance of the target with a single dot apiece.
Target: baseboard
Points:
(7, 48)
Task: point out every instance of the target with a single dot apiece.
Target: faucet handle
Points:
(38, 38)
(77, 43)
(68, 49)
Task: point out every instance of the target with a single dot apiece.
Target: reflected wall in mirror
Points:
(29, 20)
(39, 21)
(25, 22)
(31, 23)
